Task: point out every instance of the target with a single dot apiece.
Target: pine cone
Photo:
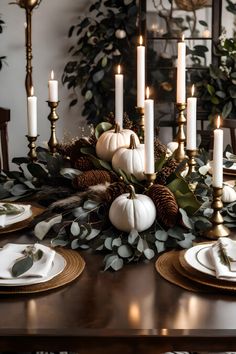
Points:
(166, 171)
(65, 148)
(159, 148)
(110, 118)
(83, 164)
(166, 205)
(115, 189)
(127, 123)
(75, 152)
(93, 177)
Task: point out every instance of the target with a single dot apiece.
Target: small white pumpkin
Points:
(132, 211)
(113, 139)
(228, 195)
(172, 146)
(130, 160)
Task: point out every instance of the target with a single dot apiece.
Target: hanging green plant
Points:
(102, 40)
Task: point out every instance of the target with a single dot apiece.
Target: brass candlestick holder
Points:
(53, 117)
(218, 229)
(140, 113)
(179, 152)
(32, 147)
(191, 161)
(151, 177)
(28, 5)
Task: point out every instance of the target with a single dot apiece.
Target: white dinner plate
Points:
(198, 257)
(12, 219)
(58, 266)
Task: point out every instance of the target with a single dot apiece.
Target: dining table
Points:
(133, 310)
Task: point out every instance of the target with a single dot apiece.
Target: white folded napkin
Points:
(223, 254)
(11, 252)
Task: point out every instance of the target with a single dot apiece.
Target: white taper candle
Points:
(217, 173)
(52, 89)
(181, 74)
(119, 97)
(191, 122)
(32, 114)
(149, 166)
(140, 73)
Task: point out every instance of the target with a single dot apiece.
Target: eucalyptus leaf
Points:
(108, 243)
(70, 173)
(124, 251)
(19, 189)
(140, 245)
(43, 227)
(161, 235)
(149, 253)
(116, 242)
(21, 266)
(93, 233)
(186, 220)
(133, 236)
(90, 204)
(160, 246)
(101, 128)
(75, 244)
(75, 228)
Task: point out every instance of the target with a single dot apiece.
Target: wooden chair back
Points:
(231, 125)
(4, 119)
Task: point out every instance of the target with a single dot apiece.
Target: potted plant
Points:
(102, 40)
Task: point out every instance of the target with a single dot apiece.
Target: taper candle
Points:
(149, 166)
(217, 173)
(140, 73)
(52, 89)
(181, 74)
(191, 122)
(119, 97)
(32, 114)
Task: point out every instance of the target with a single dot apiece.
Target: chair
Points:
(231, 125)
(4, 118)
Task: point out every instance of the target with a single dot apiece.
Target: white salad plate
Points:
(12, 219)
(58, 266)
(199, 258)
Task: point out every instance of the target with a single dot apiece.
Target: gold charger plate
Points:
(74, 267)
(36, 210)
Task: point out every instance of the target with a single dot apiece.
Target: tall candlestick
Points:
(217, 175)
(52, 89)
(32, 114)
(181, 75)
(119, 97)
(140, 73)
(191, 122)
(149, 135)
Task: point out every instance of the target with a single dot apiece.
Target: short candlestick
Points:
(191, 161)
(53, 117)
(151, 177)
(32, 147)
(179, 153)
(218, 229)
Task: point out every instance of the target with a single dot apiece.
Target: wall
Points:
(51, 22)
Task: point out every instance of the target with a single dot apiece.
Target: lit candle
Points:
(52, 89)
(181, 67)
(32, 113)
(217, 173)
(119, 97)
(191, 122)
(140, 73)
(149, 134)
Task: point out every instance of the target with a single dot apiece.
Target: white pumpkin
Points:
(130, 160)
(228, 195)
(132, 211)
(113, 139)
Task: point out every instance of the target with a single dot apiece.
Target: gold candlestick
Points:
(151, 177)
(32, 147)
(53, 117)
(191, 161)
(179, 152)
(28, 5)
(141, 132)
(218, 229)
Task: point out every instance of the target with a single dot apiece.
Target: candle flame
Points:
(25, 25)
(147, 92)
(118, 69)
(193, 90)
(218, 122)
(32, 91)
(141, 40)
(182, 39)
(52, 75)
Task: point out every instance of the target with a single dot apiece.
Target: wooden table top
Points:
(130, 311)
